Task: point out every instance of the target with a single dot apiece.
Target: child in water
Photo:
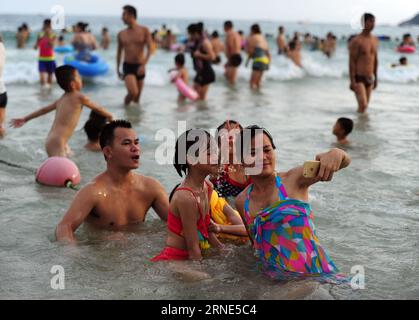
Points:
(182, 73)
(188, 220)
(68, 109)
(342, 128)
(93, 127)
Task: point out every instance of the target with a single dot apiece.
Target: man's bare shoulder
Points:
(148, 183)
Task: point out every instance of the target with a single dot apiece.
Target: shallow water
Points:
(368, 216)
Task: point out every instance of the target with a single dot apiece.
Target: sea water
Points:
(367, 218)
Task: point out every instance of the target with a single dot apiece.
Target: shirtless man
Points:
(233, 43)
(217, 46)
(106, 39)
(363, 63)
(281, 42)
(68, 109)
(132, 42)
(294, 54)
(118, 196)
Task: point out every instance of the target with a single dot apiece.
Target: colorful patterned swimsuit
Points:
(285, 239)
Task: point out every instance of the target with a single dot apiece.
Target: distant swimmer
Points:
(402, 63)
(329, 45)
(92, 128)
(118, 196)
(233, 47)
(407, 40)
(83, 42)
(67, 112)
(342, 128)
(182, 73)
(132, 42)
(105, 42)
(281, 41)
(45, 42)
(258, 50)
(202, 55)
(20, 38)
(363, 63)
(61, 41)
(3, 93)
(294, 53)
(217, 46)
(169, 39)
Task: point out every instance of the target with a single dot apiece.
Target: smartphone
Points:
(311, 168)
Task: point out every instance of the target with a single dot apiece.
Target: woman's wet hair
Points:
(255, 28)
(185, 141)
(249, 133)
(82, 26)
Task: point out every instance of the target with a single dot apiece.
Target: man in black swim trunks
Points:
(363, 63)
(232, 50)
(3, 93)
(132, 42)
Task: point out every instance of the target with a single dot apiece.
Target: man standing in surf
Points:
(131, 42)
(363, 63)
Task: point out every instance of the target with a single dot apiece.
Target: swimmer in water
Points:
(189, 211)
(402, 63)
(118, 196)
(342, 128)
(67, 112)
(294, 54)
(93, 127)
(182, 72)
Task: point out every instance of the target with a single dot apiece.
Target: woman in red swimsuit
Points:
(196, 155)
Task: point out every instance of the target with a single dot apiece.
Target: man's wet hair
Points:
(104, 29)
(406, 35)
(251, 131)
(130, 10)
(185, 141)
(228, 24)
(367, 17)
(107, 134)
(403, 60)
(191, 28)
(94, 126)
(215, 34)
(200, 28)
(255, 28)
(346, 124)
(180, 59)
(64, 75)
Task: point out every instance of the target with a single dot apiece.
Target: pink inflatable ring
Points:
(58, 172)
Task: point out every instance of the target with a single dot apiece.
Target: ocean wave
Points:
(281, 69)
